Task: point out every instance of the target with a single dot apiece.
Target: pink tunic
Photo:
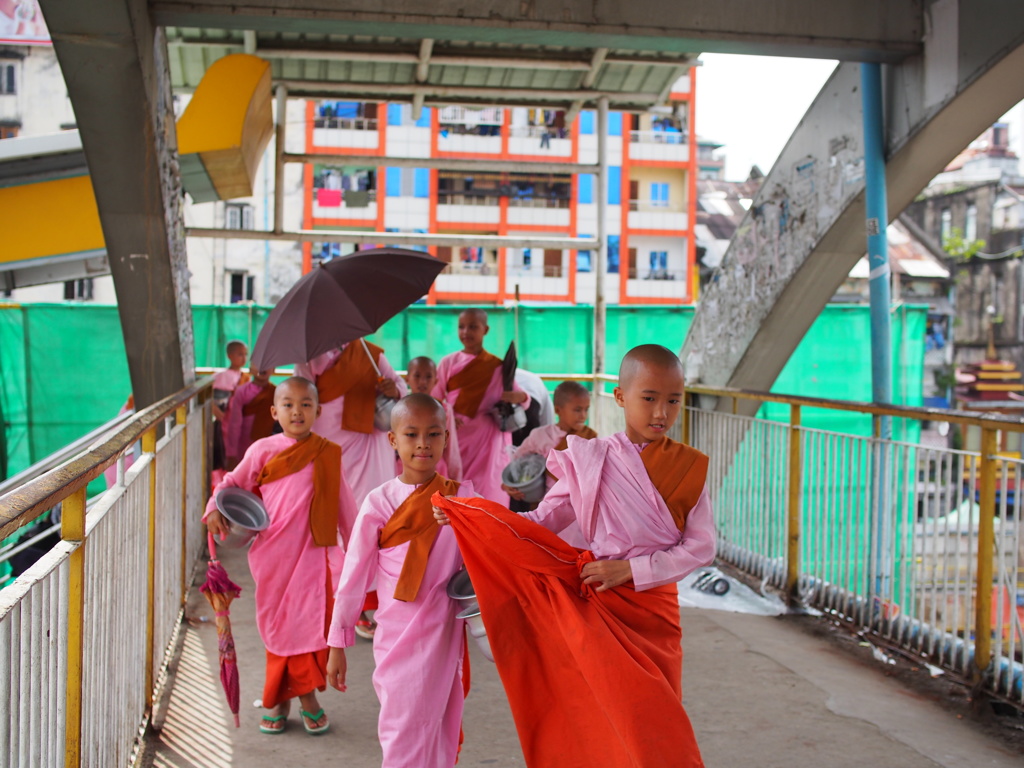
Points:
(604, 487)
(238, 426)
(418, 646)
(290, 571)
(369, 458)
(482, 446)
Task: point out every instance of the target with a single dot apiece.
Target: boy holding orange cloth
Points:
(607, 687)
(419, 645)
(470, 382)
(297, 560)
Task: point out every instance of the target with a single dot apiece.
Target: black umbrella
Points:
(508, 367)
(342, 300)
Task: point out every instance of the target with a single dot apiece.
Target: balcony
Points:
(662, 146)
(468, 207)
(470, 131)
(346, 132)
(549, 211)
(540, 140)
(657, 215)
(338, 204)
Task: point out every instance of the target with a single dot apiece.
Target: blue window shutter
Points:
(586, 187)
(394, 114)
(614, 185)
(587, 122)
(394, 182)
(421, 182)
(614, 123)
(424, 121)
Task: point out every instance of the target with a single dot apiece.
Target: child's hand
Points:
(216, 524)
(337, 667)
(441, 517)
(607, 573)
(388, 388)
(513, 397)
(512, 492)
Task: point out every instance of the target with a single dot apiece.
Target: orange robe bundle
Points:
(352, 376)
(592, 678)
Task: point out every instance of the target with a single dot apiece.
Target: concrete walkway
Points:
(761, 692)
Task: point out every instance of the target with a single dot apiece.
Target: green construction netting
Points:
(63, 370)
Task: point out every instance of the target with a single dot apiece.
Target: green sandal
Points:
(269, 719)
(314, 716)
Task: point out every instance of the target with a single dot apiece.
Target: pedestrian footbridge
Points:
(108, 654)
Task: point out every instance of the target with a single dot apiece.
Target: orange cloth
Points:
(414, 522)
(592, 678)
(472, 382)
(326, 459)
(586, 433)
(678, 472)
(352, 376)
(259, 409)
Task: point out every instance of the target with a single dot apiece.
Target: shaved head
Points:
(297, 384)
(416, 403)
(649, 357)
(422, 360)
(476, 313)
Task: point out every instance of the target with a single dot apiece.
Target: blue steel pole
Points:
(877, 214)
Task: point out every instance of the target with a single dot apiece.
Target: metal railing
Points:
(84, 631)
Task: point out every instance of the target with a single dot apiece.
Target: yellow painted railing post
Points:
(793, 507)
(72, 528)
(149, 446)
(686, 418)
(181, 419)
(986, 546)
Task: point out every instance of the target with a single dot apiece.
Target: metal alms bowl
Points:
(245, 514)
(461, 589)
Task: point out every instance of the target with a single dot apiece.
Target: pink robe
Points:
(369, 458)
(418, 646)
(238, 426)
(542, 440)
(603, 485)
(290, 571)
(482, 446)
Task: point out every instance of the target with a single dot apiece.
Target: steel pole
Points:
(602, 238)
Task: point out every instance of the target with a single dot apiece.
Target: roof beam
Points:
(399, 238)
(419, 61)
(869, 30)
(595, 67)
(423, 64)
(441, 163)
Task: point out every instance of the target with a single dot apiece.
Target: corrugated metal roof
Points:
(533, 75)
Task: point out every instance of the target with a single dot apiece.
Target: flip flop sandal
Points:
(314, 716)
(277, 719)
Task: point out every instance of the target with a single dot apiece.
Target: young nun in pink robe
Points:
(421, 376)
(470, 382)
(419, 645)
(249, 416)
(347, 400)
(295, 575)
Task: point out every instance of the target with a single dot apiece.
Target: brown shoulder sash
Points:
(586, 433)
(352, 377)
(326, 459)
(678, 472)
(414, 522)
(472, 382)
(259, 409)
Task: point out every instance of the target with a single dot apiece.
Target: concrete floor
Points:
(760, 691)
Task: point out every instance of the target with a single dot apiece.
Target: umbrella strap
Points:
(372, 361)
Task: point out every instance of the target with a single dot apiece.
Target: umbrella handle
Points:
(372, 361)
(211, 545)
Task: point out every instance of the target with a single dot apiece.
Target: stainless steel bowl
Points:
(460, 588)
(245, 514)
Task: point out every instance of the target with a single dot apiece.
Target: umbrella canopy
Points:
(342, 300)
(508, 367)
(220, 590)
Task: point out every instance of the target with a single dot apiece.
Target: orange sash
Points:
(414, 522)
(326, 458)
(352, 377)
(678, 472)
(259, 409)
(472, 382)
(586, 433)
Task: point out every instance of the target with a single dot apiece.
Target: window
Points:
(8, 78)
(613, 254)
(239, 216)
(659, 194)
(971, 223)
(241, 287)
(659, 264)
(946, 225)
(78, 290)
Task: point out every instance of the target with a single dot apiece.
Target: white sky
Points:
(751, 104)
